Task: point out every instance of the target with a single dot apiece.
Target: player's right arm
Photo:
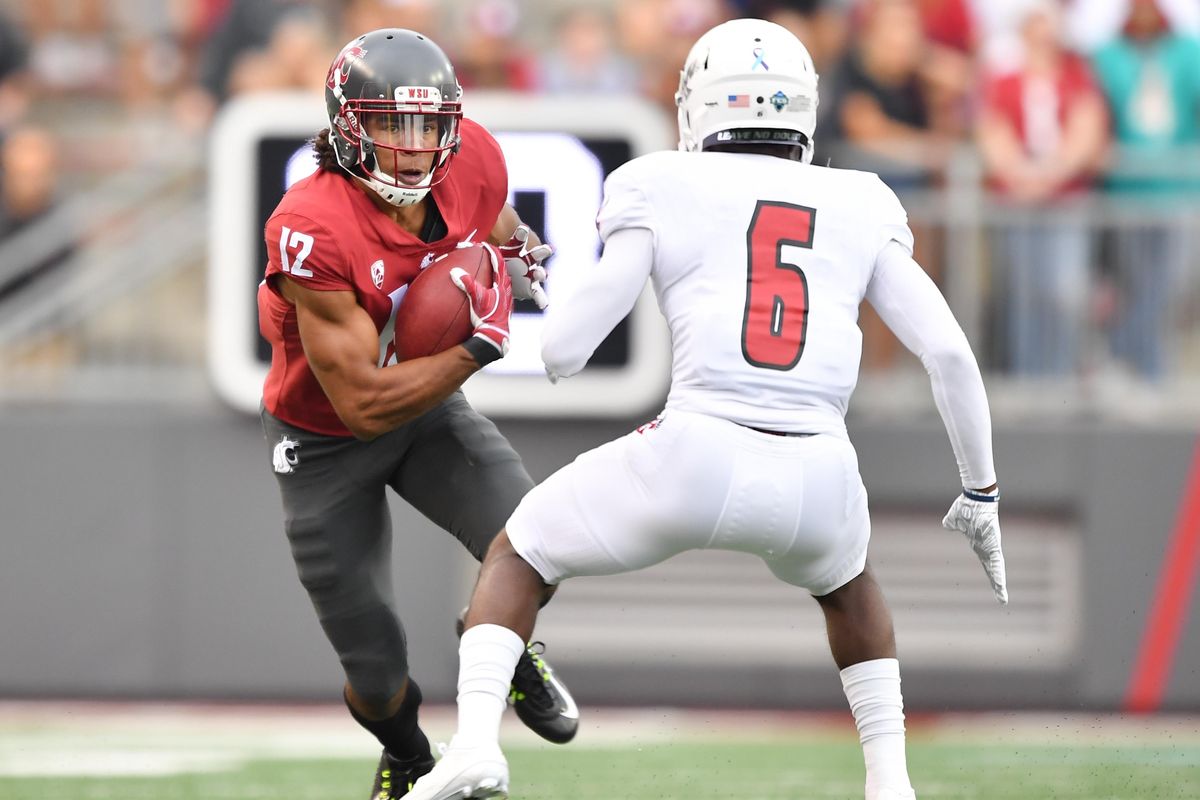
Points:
(599, 300)
(342, 348)
(602, 297)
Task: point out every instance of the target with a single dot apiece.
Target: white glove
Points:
(524, 265)
(977, 516)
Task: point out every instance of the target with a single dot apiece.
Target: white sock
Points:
(873, 690)
(487, 658)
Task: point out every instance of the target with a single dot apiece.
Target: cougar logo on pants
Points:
(285, 458)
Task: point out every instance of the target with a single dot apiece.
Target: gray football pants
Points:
(451, 464)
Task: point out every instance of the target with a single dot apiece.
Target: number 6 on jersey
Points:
(776, 317)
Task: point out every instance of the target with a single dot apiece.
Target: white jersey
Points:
(760, 265)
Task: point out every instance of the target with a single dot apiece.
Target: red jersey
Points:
(327, 234)
(1008, 95)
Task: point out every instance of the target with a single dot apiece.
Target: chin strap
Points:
(384, 190)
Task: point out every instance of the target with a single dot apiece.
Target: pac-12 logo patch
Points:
(285, 458)
(377, 274)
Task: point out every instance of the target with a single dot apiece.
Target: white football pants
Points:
(695, 482)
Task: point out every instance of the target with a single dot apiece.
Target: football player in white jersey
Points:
(760, 261)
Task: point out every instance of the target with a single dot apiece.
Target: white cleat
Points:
(465, 772)
(894, 794)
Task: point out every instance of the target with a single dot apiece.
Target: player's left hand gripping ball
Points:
(979, 521)
(523, 257)
(491, 310)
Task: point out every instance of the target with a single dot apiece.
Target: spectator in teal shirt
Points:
(1151, 78)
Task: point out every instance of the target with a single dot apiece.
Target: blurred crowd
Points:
(1059, 101)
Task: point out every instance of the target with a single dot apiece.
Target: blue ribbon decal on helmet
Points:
(759, 55)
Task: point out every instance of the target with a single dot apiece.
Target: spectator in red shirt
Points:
(1042, 132)
(949, 23)
(950, 70)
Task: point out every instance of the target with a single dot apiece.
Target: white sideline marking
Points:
(147, 739)
(50, 763)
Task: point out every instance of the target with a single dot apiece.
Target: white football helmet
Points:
(748, 81)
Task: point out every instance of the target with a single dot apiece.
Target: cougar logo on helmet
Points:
(339, 71)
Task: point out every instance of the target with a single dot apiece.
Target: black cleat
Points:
(540, 699)
(395, 778)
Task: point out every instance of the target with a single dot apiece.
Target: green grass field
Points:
(219, 754)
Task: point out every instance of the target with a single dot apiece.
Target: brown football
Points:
(434, 315)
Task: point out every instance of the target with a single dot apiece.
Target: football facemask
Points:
(403, 149)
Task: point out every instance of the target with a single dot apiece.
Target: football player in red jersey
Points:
(402, 179)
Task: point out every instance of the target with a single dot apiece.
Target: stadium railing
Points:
(124, 319)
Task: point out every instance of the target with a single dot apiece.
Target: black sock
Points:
(399, 734)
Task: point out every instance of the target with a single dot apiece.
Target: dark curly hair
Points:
(326, 157)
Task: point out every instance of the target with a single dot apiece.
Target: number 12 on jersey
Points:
(776, 318)
(303, 243)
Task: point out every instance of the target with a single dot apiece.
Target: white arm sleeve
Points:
(911, 305)
(575, 326)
